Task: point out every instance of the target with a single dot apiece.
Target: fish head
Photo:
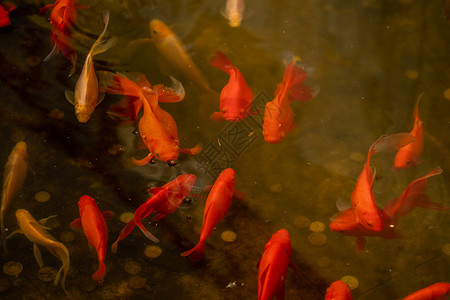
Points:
(168, 152)
(235, 20)
(282, 237)
(185, 182)
(85, 200)
(234, 114)
(158, 30)
(403, 159)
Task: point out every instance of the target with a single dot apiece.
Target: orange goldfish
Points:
(5, 9)
(409, 155)
(171, 48)
(94, 226)
(216, 207)
(338, 290)
(437, 291)
(157, 128)
(62, 18)
(38, 235)
(165, 200)
(13, 179)
(278, 114)
(236, 97)
(414, 195)
(86, 96)
(273, 266)
(234, 12)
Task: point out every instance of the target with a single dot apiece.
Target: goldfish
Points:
(363, 201)
(409, 155)
(165, 200)
(236, 97)
(37, 233)
(338, 290)
(278, 114)
(171, 48)
(5, 9)
(86, 96)
(234, 12)
(94, 226)
(13, 179)
(62, 18)
(157, 128)
(273, 266)
(411, 197)
(217, 205)
(437, 291)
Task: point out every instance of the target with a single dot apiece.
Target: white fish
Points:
(234, 11)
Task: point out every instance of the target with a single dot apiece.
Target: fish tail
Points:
(63, 254)
(221, 62)
(123, 234)
(196, 253)
(99, 274)
(146, 232)
(3, 233)
(118, 84)
(101, 44)
(390, 143)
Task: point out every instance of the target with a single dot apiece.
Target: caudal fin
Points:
(390, 143)
(221, 61)
(123, 234)
(101, 44)
(99, 274)
(195, 253)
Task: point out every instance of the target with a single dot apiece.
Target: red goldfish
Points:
(437, 291)
(338, 290)
(13, 178)
(216, 207)
(273, 266)
(94, 226)
(411, 197)
(363, 201)
(236, 97)
(165, 200)
(62, 18)
(5, 9)
(278, 114)
(157, 128)
(86, 96)
(409, 155)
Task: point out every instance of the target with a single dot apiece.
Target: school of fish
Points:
(159, 135)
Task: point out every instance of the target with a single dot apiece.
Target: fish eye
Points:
(153, 161)
(154, 31)
(171, 163)
(135, 131)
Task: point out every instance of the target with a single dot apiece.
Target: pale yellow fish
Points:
(13, 179)
(234, 11)
(38, 235)
(171, 48)
(86, 96)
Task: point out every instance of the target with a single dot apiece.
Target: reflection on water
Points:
(371, 58)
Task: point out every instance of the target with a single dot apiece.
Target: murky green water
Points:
(371, 59)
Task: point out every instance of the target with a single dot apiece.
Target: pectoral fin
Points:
(76, 224)
(37, 255)
(70, 97)
(108, 214)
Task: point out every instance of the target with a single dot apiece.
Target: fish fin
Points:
(70, 96)
(101, 96)
(158, 217)
(391, 142)
(258, 263)
(301, 92)
(345, 216)
(8, 6)
(76, 224)
(174, 93)
(101, 44)
(43, 230)
(360, 244)
(192, 151)
(3, 233)
(424, 203)
(145, 231)
(37, 255)
(144, 161)
(45, 9)
(217, 116)
(43, 221)
(99, 274)
(342, 205)
(14, 233)
(239, 196)
(195, 253)
(108, 214)
(123, 234)
(291, 264)
(221, 61)
(53, 53)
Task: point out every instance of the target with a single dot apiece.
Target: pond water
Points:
(371, 59)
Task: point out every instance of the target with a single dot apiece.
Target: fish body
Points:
(86, 96)
(217, 205)
(234, 12)
(338, 290)
(5, 9)
(437, 291)
(171, 48)
(236, 97)
(409, 155)
(94, 226)
(165, 200)
(273, 266)
(38, 235)
(13, 179)
(278, 114)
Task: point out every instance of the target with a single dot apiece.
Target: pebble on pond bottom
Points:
(12, 268)
(126, 217)
(47, 274)
(317, 239)
(42, 196)
(351, 281)
(137, 282)
(324, 262)
(302, 222)
(132, 267)
(228, 236)
(152, 251)
(5, 284)
(67, 236)
(317, 226)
